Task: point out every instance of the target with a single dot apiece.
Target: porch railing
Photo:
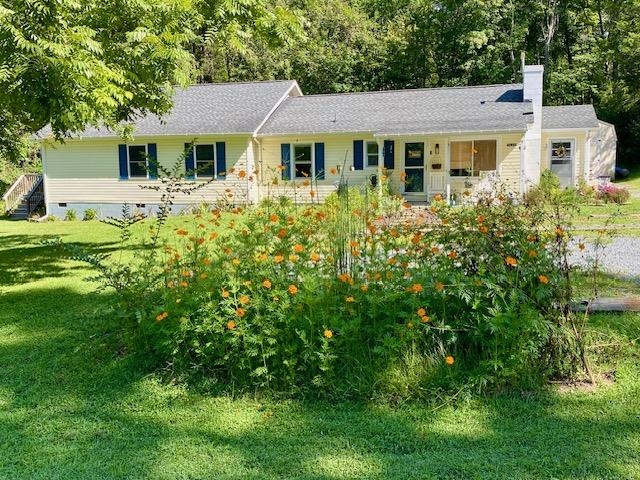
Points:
(21, 189)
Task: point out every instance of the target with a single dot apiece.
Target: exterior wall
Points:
(338, 161)
(603, 153)
(86, 172)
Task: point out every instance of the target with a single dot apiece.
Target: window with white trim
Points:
(204, 158)
(562, 153)
(372, 154)
(470, 157)
(137, 161)
(302, 161)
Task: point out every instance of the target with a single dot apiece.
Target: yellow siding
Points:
(338, 155)
(87, 171)
(509, 166)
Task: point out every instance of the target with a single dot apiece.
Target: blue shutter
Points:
(358, 154)
(152, 153)
(221, 160)
(285, 160)
(388, 152)
(319, 159)
(122, 156)
(189, 166)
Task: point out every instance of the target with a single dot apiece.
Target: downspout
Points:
(45, 184)
(259, 168)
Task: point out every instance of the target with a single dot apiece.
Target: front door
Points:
(562, 156)
(414, 167)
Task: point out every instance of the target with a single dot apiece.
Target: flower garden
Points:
(350, 299)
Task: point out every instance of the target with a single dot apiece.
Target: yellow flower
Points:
(421, 312)
(266, 283)
(410, 325)
(293, 289)
(439, 286)
(236, 261)
(278, 258)
(244, 299)
(225, 293)
(328, 334)
(350, 299)
(315, 257)
(293, 258)
(364, 287)
(543, 279)
(533, 253)
(206, 262)
(449, 360)
(183, 284)
(181, 232)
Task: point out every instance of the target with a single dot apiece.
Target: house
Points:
(265, 139)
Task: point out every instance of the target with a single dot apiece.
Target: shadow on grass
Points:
(26, 258)
(74, 405)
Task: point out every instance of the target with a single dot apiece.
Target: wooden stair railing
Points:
(21, 189)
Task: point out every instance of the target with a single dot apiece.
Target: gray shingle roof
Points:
(223, 108)
(398, 112)
(569, 116)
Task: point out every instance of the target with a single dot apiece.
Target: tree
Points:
(73, 63)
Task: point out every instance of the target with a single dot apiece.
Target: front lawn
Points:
(74, 403)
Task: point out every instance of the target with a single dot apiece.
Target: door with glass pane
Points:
(414, 167)
(562, 158)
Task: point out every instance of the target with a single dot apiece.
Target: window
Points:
(302, 161)
(471, 157)
(137, 161)
(204, 158)
(372, 154)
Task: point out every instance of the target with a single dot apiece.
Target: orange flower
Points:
(161, 316)
(480, 219)
(421, 312)
(282, 233)
(372, 228)
(435, 250)
(425, 319)
(306, 183)
(483, 229)
(244, 299)
(213, 235)
(581, 246)
(416, 288)
(170, 284)
(231, 325)
(543, 279)
(328, 334)
(449, 360)
(262, 257)
(437, 197)
(273, 218)
(364, 287)
(531, 237)
(225, 293)
(512, 262)
(206, 262)
(242, 174)
(392, 261)
(533, 253)
(312, 193)
(344, 277)
(293, 289)
(266, 283)
(333, 171)
(350, 299)
(453, 254)
(183, 284)
(240, 312)
(278, 258)
(439, 286)
(298, 248)
(200, 240)
(315, 257)
(181, 232)
(559, 232)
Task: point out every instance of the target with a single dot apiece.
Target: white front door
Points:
(562, 161)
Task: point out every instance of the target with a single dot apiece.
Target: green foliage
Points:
(70, 215)
(89, 214)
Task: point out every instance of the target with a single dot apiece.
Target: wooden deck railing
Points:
(24, 185)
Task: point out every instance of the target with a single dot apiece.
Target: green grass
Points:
(75, 403)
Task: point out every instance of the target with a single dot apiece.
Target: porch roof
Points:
(404, 112)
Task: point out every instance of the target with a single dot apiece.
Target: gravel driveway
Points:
(620, 256)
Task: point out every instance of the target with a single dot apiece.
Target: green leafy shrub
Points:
(89, 214)
(70, 215)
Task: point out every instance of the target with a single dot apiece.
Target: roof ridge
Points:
(427, 89)
(236, 83)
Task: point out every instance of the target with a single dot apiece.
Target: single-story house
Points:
(262, 139)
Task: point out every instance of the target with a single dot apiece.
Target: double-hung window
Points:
(372, 154)
(137, 161)
(302, 161)
(205, 161)
(470, 157)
